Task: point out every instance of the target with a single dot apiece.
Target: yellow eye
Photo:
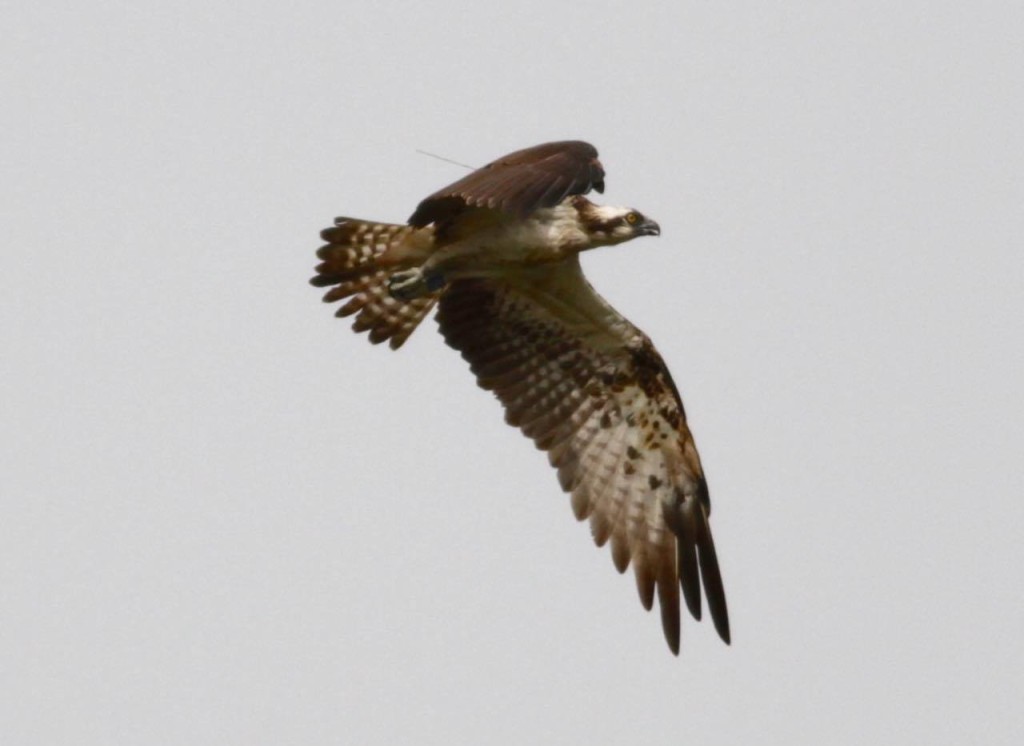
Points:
(632, 217)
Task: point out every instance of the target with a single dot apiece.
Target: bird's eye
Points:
(631, 218)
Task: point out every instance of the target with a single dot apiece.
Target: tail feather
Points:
(350, 266)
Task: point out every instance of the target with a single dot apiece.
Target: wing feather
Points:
(588, 387)
(518, 183)
(689, 577)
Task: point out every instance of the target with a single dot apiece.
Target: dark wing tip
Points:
(673, 642)
(723, 632)
(698, 564)
(711, 576)
(668, 600)
(689, 580)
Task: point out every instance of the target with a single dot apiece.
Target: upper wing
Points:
(589, 388)
(519, 183)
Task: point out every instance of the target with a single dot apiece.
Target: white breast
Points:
(547, 235)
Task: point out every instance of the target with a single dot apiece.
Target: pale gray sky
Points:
(228, 519)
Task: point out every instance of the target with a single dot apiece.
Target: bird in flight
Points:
(498, 253)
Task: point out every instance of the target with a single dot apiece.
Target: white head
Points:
(607, 225)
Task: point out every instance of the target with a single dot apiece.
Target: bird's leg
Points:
(415, 283)
(444, 265)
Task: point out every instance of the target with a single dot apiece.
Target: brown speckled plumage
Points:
(575, 376)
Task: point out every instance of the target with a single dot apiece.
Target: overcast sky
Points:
(227, 519)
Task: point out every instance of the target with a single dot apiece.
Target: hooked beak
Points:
(648, 228)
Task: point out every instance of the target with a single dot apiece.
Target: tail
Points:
(353, 262)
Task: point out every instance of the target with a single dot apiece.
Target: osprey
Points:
(498, 253)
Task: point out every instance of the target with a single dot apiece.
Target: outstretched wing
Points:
(588, 387)
(519, 183)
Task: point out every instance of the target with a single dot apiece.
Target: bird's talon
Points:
(414, 283)
(406, 285)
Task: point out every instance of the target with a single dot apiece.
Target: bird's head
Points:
(607, 225)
